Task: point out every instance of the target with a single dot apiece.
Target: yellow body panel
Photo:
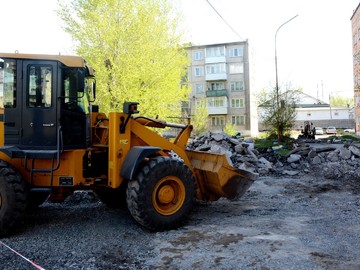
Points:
(214, 176)
(70, 166)
(119, 146)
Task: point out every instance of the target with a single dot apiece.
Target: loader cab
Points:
(44, 101)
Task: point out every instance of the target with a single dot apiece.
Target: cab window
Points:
(39, 86)
(8, 84)
(74, 99)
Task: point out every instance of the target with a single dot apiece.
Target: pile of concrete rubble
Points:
(333, 160)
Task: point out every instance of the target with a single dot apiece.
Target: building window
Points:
(199, 71)
(217, 86)
(216, 68)
(215, 51)
(238, 120)
(200, 104)
(236, 68)
(236, 52)
(199, 88)
(198, 55)
(218, 121)
(237, 86)
(237, 103)
(215, 102)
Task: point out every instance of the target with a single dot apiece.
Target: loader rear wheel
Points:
(162, 195)
(13, 198)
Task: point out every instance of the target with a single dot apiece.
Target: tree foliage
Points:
(230, 129)
(338, 100)
(278, 117)
(134, 46)
(200, 118)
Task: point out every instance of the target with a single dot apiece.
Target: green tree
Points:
(230, 129)
(134, 47)
(200, 118)
(338, 100)
(279, 118)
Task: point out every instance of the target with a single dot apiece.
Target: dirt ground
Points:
(281, 223)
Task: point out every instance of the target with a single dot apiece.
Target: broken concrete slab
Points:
(294, 158)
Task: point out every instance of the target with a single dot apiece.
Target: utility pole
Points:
(276, 68)
(279, 129)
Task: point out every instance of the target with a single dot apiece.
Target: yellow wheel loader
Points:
(54, 140)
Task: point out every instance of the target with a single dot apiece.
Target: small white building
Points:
(320, 113)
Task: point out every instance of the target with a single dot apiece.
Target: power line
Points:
(223, 19)
(251, 48)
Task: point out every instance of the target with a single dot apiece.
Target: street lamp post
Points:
(276, 69)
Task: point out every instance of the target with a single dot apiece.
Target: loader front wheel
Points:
(13, 198)
(162, 195)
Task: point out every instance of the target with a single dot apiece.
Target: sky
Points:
(314, 50)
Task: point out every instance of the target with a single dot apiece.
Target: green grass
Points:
(350, 137)
(282, 152)
(264, 143)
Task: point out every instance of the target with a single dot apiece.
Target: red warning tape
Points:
(26, 259)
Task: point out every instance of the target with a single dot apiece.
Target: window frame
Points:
(46, 89)
(198, 55)
(238, 120)
(9, 97)
(199, 71)
(217, 121)
(236, 52)
(236, 68)
(237, 103)
(233, 87)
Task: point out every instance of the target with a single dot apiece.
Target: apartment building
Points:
(220, 75)
(355, 23)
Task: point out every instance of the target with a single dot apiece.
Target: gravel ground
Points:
(281, 223)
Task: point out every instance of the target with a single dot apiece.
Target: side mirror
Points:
(2, 64)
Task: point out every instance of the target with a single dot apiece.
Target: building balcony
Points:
(216, 77)
(216, 93)
(215, 59)
(217, 110)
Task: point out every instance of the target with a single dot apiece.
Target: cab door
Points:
(39, 117)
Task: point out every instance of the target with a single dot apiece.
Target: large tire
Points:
(13, 198)
(162, 195)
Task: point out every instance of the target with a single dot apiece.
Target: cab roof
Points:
(67, 60)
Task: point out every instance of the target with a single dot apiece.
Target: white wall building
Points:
(320, 113)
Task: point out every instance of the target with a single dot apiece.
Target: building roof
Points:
(303, 100)
(355, 11)
(217, 44)
(70, 61)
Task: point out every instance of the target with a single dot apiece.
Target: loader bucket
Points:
(217, 178)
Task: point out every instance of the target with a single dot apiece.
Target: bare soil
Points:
(281, 223)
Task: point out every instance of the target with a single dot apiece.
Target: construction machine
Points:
(54, 140)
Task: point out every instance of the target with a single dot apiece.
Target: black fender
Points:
(133, 159)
